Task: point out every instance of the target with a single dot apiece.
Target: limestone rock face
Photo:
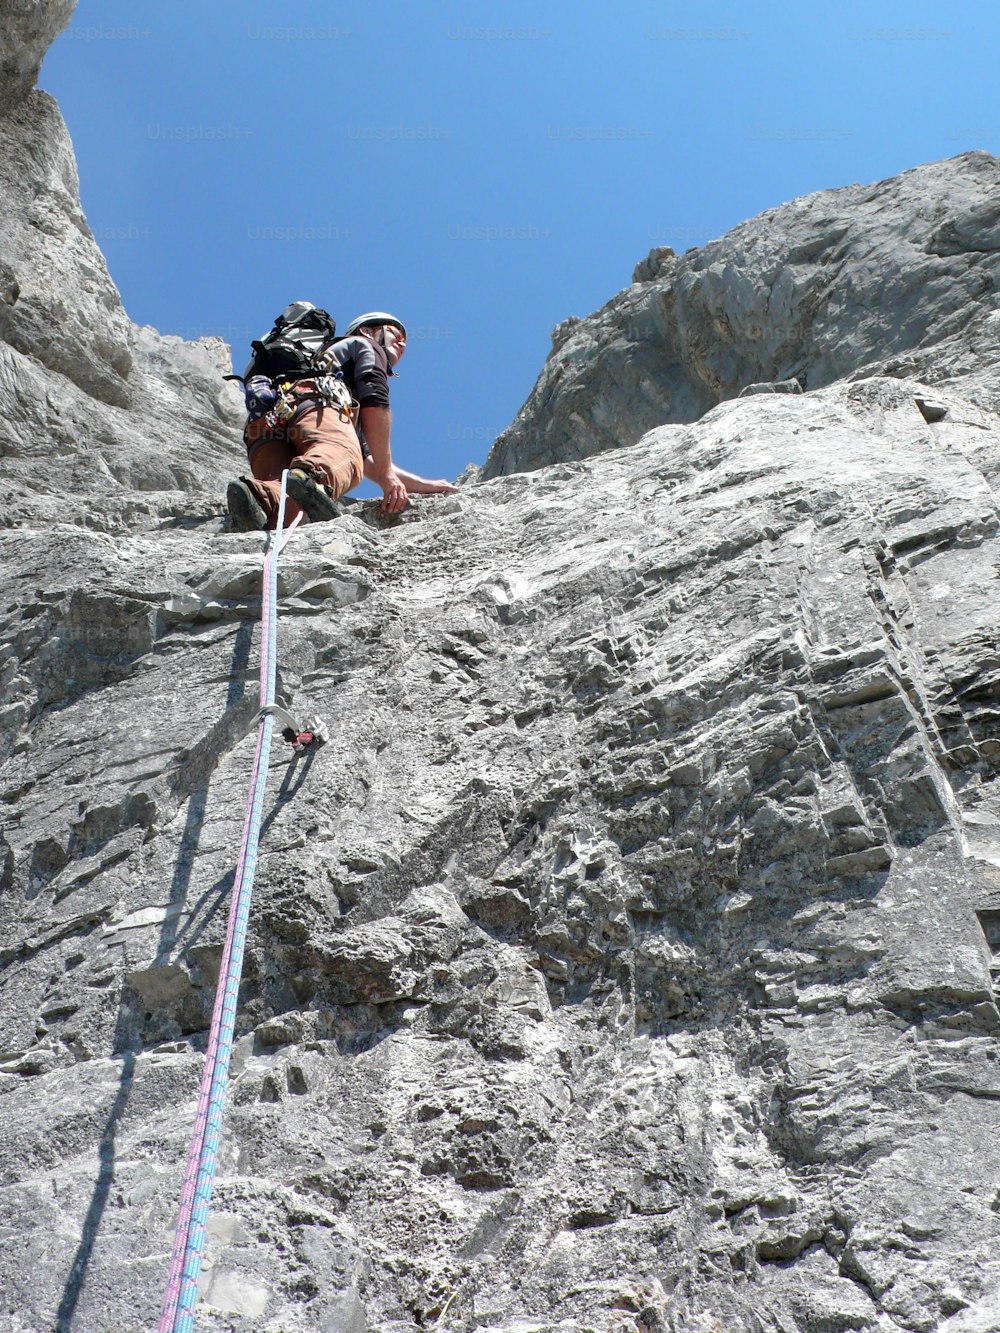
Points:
(70, 359)
(67, 455)
(57, 302)
(628, 960)
(898, 278)
(28, 29)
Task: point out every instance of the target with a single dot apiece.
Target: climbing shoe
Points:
(245, 513)
(314, 498)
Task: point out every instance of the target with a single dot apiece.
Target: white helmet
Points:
(374, 319)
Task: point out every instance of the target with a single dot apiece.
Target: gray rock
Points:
(624, 950)
(59, 304)
(659, 263)
(29, 29)
(628, 959)
(70, 359)
(931, 410)
(771, 386)
(896, 278)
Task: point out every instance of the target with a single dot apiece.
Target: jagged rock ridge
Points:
(628, 959)
(897, 278)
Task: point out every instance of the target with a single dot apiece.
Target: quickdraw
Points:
(299, 738)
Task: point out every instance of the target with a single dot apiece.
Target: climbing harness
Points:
(189, 1239)
(284, 406)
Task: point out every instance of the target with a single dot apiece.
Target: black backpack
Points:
(290, 350)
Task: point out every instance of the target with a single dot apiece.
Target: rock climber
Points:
(324, 446)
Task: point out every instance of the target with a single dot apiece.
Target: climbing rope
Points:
(189, 1239)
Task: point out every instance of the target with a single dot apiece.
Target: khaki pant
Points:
(318, 440)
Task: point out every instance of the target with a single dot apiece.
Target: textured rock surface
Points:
(29, 29)
(57, 302)
(628, 960)
(895, 278)
(624, 962)
(70, 360)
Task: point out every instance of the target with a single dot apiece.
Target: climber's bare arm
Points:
(415, 485)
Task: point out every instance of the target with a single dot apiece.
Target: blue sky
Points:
(483, 170)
